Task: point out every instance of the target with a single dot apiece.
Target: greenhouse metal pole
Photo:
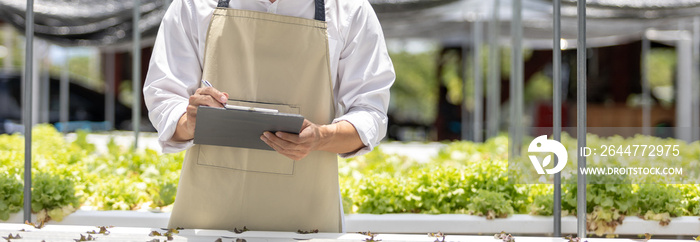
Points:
(478, 82)
(37, 51)
(136, 77)
(27, 106)
(516, 77)
(64, 91)
(556, 109)
(696, 78)
(519, 88)
(44, 88)
(684, 86)
(109, 89)
(8, 39)
(646, 96)
(581, 118)
(465, 112)
(494, 79)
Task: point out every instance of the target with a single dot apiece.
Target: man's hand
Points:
(340, 137)
(205, 96)
(294, 146)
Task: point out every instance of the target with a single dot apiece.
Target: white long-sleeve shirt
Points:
(361, 69)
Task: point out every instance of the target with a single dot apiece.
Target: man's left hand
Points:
(295, 146)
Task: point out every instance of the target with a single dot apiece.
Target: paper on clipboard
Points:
(242, 128)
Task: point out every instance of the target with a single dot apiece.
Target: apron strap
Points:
(319, 13)
(223, 4)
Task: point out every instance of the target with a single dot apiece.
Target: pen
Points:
(243, 108)
(206, 83)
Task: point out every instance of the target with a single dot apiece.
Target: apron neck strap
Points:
(222, 4)
(319, 13)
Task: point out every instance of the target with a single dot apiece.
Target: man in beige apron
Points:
(226, 188)
(293, 61)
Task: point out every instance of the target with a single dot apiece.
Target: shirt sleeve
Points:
(173, 73)
(365, 75)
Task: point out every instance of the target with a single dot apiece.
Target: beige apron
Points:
(269, 61)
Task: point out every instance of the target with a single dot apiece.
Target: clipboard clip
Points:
(251, 109)
(243, 108)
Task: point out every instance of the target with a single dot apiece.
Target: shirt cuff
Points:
(166, 134)
(366, 129)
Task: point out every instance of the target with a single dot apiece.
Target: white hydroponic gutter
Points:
(72, 233)
(520, 224)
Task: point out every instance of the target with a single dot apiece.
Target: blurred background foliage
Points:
(414, 93)
(414, 96)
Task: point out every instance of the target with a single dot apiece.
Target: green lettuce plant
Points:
(490, 204)
(10, 196)
(53, 197)
(659, 202)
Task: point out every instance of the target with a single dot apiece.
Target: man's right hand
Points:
(204, 96)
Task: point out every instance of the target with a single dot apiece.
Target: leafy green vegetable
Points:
(490, 204)
(68, 175)
(657, 199)
(11, 192)
(541, 199)
(53, 197)
(603, 220)
(691, 198)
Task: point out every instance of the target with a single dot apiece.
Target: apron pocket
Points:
(249, 159)
(245, 159)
